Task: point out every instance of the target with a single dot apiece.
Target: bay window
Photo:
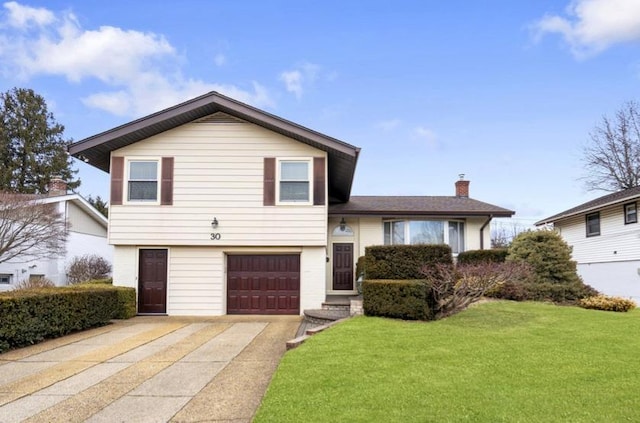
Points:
(425, 232)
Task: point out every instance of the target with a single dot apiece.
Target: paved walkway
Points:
(147, 369)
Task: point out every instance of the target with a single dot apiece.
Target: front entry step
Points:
(324, 316)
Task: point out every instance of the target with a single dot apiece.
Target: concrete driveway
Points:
(147, 369)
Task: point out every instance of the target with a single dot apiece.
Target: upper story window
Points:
(593, 224)
(630, 213)
(294, 181)
(425, 232)
(142, 183)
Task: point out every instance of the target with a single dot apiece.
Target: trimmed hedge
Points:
(497, 255)
(31, 316)
(403, 262)
(399, 299)
(546, 291)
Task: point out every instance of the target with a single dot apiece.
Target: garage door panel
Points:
(263, 284)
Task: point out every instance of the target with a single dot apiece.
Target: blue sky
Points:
(503, 91)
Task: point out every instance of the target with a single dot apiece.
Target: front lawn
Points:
(497, 362)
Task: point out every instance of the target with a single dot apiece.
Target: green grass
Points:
(497, 362)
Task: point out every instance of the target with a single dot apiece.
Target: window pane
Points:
(426, 232)
(593, 224)
(294, 191)
(456, 237)
(143, 170)
(398, 232)
(631, 213)
(143, 191)
(387, 233)
(294, 171)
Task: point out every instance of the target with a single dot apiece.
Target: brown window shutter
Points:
(318, 182)
(166, 185)
(117, 180)
(269, 190)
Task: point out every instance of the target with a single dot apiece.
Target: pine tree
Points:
(99, 204)
(548, 255)
(32, 145)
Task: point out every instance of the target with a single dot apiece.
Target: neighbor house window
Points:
(143, 180)
(5, 279)
(294, 181)
(630, 213)
(425, 232)
(593, 224)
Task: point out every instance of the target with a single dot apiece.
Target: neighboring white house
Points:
(605, 237)
(87, 234)
(220, 208)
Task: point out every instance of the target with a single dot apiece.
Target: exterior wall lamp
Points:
(214, 223)
(343, 225)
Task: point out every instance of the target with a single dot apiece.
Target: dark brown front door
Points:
(152, 281)
(263, 284)
(343, 266)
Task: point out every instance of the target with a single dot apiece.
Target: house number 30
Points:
(215, 236)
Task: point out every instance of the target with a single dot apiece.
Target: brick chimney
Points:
(57, 186)
(462, 187)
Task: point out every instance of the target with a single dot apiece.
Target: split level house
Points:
(217, 207)
(86, 234)
(604, 235)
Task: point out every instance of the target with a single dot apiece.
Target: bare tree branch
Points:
(612, 156)
(30, 229)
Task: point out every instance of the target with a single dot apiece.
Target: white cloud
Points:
(426, 135)
(388, 125)
(592, 26)
(20, 16)
(302, 75)
(292, 82)
(139, 70)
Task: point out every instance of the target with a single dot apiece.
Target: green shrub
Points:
(403, 262)
(30, 316)
(106, 281)
(360, 267)
(564, 293)
(603, 302)
(497, 255)
(548, 255)
(399, 299)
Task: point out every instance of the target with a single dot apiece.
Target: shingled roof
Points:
(619, 197)
(405, 206)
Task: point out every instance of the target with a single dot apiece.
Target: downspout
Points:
(482, 231)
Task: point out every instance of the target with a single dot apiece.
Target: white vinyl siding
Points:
(218, 172)
(81, 222)
(617, 241)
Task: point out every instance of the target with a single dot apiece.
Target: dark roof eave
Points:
(395, 213)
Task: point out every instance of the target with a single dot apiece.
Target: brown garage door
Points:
(263, 284)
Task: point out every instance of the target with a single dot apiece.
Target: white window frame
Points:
(125, 193)
(8, 277)
(309, 163)
(407, 232)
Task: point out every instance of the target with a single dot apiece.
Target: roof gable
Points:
(342, 157)
(619, 197)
